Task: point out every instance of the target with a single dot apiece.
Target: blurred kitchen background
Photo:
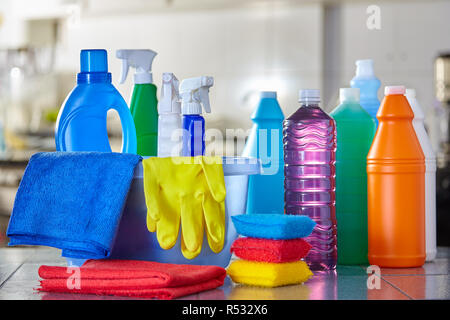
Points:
(246, 45)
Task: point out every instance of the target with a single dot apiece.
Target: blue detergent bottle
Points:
(368, 86)
(81, 123)
(194, 94)
(265, 142)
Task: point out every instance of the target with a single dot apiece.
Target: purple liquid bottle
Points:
(309, 138)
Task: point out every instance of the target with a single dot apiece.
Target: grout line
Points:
(10, 276)
(397, 288)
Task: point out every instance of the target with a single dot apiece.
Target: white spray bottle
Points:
(169, 120)
(194, 94)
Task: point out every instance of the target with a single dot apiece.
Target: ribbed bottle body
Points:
(309, 139)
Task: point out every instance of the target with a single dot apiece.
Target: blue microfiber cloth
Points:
(273, 226)
(72, 201)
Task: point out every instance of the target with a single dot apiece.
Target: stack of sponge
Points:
(271, 249)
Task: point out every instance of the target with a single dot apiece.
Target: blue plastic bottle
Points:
(368, 86)
(194, 94)
(193, 135)
(81, 123)
(265, 142)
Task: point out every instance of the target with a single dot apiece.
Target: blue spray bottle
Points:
(368, 86)
(81, 123)
(265, 142)
(194, 93)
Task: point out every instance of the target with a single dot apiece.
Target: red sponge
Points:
(267, 250)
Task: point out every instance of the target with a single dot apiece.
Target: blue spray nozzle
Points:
(94, 60)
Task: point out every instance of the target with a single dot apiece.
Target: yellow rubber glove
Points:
(190, 190)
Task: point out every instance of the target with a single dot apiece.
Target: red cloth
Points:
(133, 278)
(267, 250)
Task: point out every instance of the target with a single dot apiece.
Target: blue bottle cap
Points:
(268, 107)
(268, 94)
(94, 60)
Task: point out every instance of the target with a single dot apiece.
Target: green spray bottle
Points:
(143, 105)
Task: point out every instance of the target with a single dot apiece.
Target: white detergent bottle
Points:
(430, 175)
(169, 120)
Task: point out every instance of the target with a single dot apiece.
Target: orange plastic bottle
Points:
(396, 187)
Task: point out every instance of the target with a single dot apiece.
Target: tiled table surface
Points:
(18, 278)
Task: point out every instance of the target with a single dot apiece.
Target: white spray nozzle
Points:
(170, 98)
(195, 94)
(141, 60)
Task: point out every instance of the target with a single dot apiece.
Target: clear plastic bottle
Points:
(309, 139)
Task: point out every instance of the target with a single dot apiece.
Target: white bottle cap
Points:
(392, 90)
(410, 92)
(349, 94)
(309, 95)
(364, 68)
(268, 94)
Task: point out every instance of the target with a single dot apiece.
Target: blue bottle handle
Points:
(129, 140)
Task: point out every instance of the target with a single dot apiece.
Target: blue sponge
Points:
(273, 226)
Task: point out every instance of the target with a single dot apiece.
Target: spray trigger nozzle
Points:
(170, 97)
(195, 94)
(141, 60)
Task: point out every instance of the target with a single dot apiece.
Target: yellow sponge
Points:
(268, 274)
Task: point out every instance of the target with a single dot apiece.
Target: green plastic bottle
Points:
(355, 131)
(144, 103)
(143, 107)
